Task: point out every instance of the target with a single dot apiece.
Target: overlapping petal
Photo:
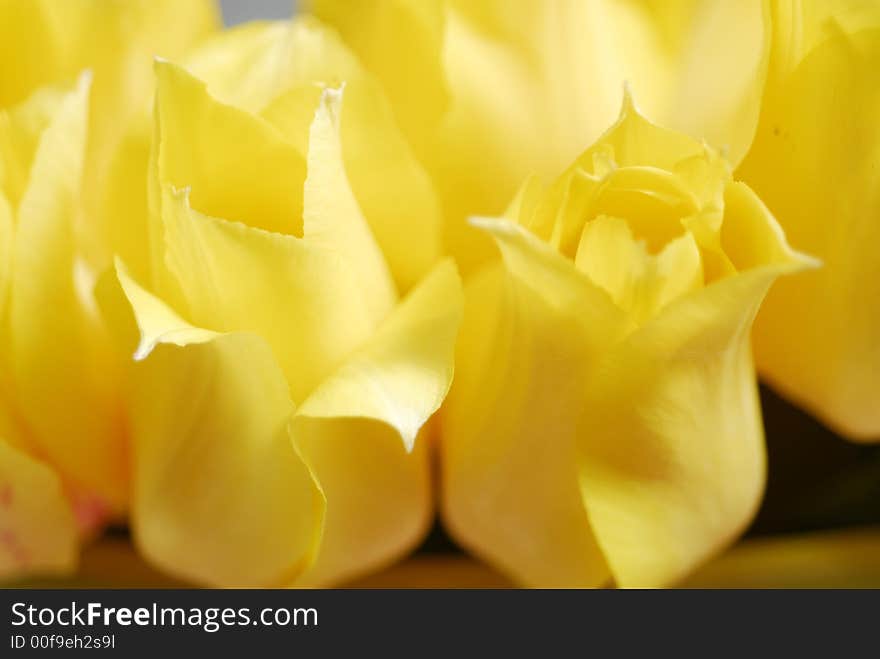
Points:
(55, 346)
(818, 170)
(221, 496)
(38, 533)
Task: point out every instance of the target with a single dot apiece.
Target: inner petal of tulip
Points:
(638, 281)
(652, 201)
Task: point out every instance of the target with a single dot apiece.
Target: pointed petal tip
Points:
(801, 261)
(628, 105)
(492, 224)
(85, 79)
(408, 436)
(331, 102)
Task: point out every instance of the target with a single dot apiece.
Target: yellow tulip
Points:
(816, 163)
(44, 42)
(490, 91)
(63, 464)
(604, 424)
(282, 384)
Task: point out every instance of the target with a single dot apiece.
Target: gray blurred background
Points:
(239, 11)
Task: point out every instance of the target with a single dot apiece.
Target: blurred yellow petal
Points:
(125, 195)
(401, 375)
(58, 353)
(221, 494)
(800, 26)
(237, 165)
(245, 65)
(21, 128)
(7, 247)
(45, 42)
(379, 32)
(816, 164)
(38, 534)
(848, 558)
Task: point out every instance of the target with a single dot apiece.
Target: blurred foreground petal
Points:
(38, 533)
(823, 559)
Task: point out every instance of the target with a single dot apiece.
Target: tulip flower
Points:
(283, 382)
(63, 464)
(490, 92)
(604, 425)
(277, 70)
(816, 163)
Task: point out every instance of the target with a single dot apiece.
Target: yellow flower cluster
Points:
(269, 295)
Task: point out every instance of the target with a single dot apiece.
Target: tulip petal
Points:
(302, 299)
(237, 165)
(640, 283)
(222, 495)
(277, 70)
(58, 352)
(44, 42)
(245, 65)
(38, 533)
(156, 322)
(819, 172)
(379, 495)
(405, 217)
(529, 339)
(536, 265)
(671, 443)
(7, 249)
(331, 215)
(399, 378)
(403, 372)
(378, 32)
